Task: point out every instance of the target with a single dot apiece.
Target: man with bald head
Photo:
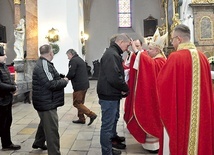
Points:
(111, 87)
(47, 95)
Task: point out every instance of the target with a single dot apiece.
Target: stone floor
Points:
(75, 139)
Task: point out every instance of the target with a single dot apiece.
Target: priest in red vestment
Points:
(130, 74)
(185, 95)
(143, 119)
(212, 76)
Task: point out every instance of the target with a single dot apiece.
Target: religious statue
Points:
(19, 34)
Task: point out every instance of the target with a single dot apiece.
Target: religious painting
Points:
(206, 30)
(150, 25)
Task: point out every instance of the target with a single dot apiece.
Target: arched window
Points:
(124, 14)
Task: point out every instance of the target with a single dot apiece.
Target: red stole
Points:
(175, 96)
(128, 113)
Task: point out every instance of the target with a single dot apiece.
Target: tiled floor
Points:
(75, 139)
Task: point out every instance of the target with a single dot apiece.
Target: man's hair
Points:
(71, 51)
(45, 49)
(141, 43)
(113, 38)
(183, 30)
(123, 37)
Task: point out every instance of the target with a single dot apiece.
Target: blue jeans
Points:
(116, 120)
(110, 116)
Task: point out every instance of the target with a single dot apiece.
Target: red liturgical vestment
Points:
(131, 83)
(142, 105)
(186, 102)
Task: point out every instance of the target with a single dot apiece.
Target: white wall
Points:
(67, 17)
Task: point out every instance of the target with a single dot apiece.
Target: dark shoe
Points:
(44, 147)
(12, 147)
(116, 152)
(92, 119)
(118, 145)
(153, 151)
(118, 139)
(79, 122)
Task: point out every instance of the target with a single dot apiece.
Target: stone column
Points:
(31, 29)
(25, 67)
(17, 11)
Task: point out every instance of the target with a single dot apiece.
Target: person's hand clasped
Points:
(62, 75)
(124, 94)
(66, 79)
(13, 92)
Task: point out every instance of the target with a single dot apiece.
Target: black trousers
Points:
(5, 123)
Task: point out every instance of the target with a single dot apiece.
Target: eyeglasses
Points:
(171, 40)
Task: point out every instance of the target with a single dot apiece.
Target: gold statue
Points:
(162, 29)
(163, 2)
(175, 21)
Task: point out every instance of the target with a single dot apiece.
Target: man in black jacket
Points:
(111, 88)
(79, 78)
(7, 89)
(48, 94)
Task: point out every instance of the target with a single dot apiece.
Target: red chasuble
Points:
(186, 103)
(143, 107)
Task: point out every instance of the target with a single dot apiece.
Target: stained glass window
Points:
(124, 13)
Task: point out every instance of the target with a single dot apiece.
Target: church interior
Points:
(87, 26)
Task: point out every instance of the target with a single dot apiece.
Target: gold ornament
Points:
(17, 1)
(202, 1)
(176, 21)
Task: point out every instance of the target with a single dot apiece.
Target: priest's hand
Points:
(134, 46)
